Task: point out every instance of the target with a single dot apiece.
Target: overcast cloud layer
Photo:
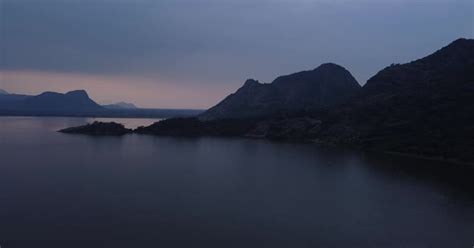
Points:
(200, 50)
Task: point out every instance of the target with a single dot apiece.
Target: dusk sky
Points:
(192, 53)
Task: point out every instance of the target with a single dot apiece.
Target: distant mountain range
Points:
(78, 103)
(120, 105)
(423, 108)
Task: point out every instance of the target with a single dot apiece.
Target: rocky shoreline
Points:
(302, 129)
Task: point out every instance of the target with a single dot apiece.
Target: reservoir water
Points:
(59, 190)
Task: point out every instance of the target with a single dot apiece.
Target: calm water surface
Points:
(59, 190)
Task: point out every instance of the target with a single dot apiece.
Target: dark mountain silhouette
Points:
(74, 101)
(120, 105)
(306, 91)
(423, 107)
(77, 101)
(420, 108)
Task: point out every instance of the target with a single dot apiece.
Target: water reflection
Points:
(61, 190)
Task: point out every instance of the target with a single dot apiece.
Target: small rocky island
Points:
(99, 128)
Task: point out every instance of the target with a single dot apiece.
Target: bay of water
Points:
(60, 190)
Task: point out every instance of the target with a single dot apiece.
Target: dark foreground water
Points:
(58, 190)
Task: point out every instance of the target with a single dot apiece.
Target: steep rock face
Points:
(423, 107)
(325, 86)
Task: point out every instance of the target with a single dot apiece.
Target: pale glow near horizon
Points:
(144, 92)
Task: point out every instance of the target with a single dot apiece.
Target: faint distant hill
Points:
(120, 105)
(306, 91)
(77, 101)
(11, 101)
(3, 92)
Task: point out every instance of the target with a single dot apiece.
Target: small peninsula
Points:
(99, 128)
